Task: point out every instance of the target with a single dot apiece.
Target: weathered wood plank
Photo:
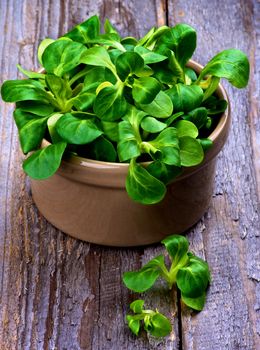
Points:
(56, 292)
(229, 234)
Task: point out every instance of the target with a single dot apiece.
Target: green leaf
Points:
(155, 36)
(32, 133)
(230, 64)
(206, 144)
(160, 107)
(51, 123)
(110, 130)
(194, 258)
(77, 131)
(198, 116)
(102, 86)
(44, 162)
(25, 89)
(84, 100)
(159, 325)
(142, 187)
(129, 40)
(109, 28)
(128, 145)
(145, 72)
(146, 37)
(102, 149)
(133, 324)
(191, 151)
(134, 116)
(29, 74)
(22, 117)
(181, 39)
(59, 87)
(95, 75)
(45, 42)
(164, 74)
(61, 56)
(152, 125)
(163, 172)
(145, 89)
(148, 55)
(175, 66)
(193, 279)
(85, 31)
(173, 117)
(137, 306)
(114, 53)
(190, 74)
(213, 83)
(214, 105)
(140, 281)
(186, 128)
(167, 143)
(110, 104)
(35, 107)
(185, 97)
(112, 40)
(128, 63)
(195, 303)
(97, 56)
(177, 247)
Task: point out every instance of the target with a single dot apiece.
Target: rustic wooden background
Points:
(59, 293)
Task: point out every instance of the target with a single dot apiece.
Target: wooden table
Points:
(59, 293)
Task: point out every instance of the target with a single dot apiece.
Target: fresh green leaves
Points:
(128, 63)
(122, 99)
(160, 107)
(44, 162)
(144, 279)
(62, 56)
(154, 322)
(142, 187)
(97, 56)
(230, 64)
(85, 31)
(193, 277)
(177, 247)
(77, 131)
(185, 97)
(145, 89)
(110, 104)
(191, 151)
(152, 125)
(149, 56)
(189, 272)
(181, 39)
(23, 90)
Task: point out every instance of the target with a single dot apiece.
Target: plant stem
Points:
(78, 75)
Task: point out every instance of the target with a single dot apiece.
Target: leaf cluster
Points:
(118, 99)
(190, 273)
(153, 321)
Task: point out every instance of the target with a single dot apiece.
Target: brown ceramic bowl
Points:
(87, 198)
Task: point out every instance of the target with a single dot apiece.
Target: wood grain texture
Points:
(56, 292)
(228, 237)
(59, 293)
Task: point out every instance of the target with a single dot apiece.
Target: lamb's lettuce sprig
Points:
(122, 99)
(153, 321)
(190, 273)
